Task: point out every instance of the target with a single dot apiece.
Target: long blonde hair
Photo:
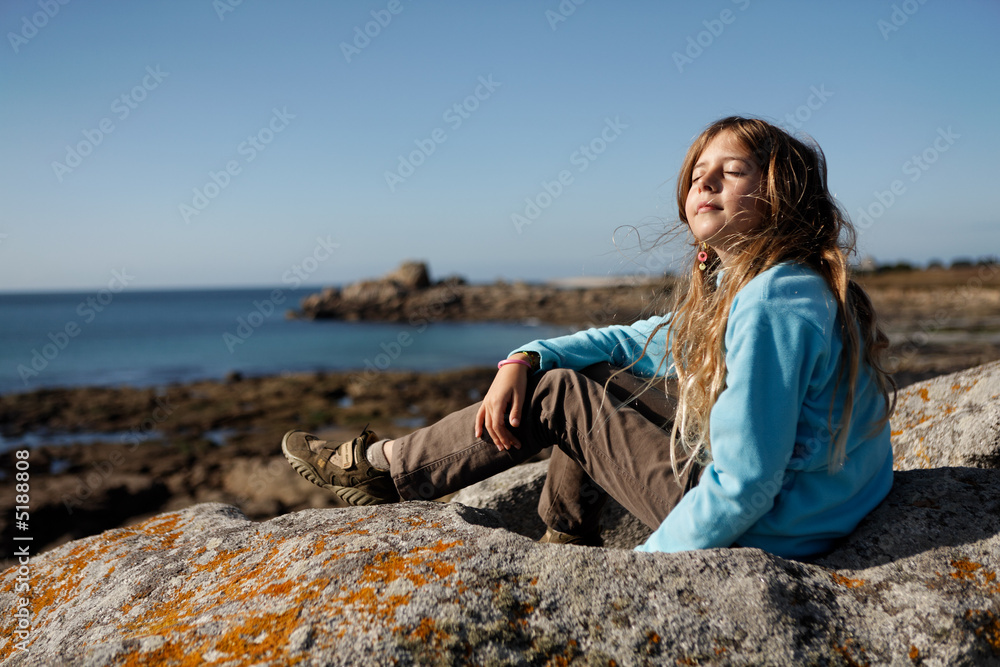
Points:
(802, 223)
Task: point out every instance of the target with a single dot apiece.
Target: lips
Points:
(708, 206)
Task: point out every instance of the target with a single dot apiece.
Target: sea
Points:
(154, 338)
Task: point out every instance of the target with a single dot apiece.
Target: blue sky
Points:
(210, 143)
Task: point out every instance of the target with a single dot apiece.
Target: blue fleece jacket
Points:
(768, 484)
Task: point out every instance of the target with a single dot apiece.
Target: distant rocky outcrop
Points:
(407, 294)
(445, 583)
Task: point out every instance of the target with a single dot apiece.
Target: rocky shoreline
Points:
(465, 582)
(139, 452)
(148, 452)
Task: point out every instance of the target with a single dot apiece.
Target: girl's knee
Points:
(567, 387)
(559, 378)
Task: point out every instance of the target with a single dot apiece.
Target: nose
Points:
(709, 182)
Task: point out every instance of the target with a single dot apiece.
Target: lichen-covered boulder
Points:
(952, 420)
(430, 583)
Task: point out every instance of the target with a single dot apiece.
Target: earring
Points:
(703, 256)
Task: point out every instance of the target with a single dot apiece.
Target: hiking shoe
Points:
(343, 469)
(552, 536)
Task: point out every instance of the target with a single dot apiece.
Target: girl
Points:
(754, 414)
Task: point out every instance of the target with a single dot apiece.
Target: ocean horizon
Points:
(155, 337)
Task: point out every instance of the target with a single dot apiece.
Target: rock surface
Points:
(428, 583)
(953, 420)
(514, 496)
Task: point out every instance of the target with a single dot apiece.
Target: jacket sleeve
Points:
(621, 345)
(770, 356)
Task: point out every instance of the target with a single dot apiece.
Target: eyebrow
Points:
(701, 163)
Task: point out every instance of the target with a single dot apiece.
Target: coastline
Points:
(211, 441)
(135, 452)
(146, 452)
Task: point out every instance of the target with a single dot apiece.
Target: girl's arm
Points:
(773, 345)
(620, 345)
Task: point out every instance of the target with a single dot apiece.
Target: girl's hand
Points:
(508, 390)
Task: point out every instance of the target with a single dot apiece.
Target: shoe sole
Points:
(349, 494)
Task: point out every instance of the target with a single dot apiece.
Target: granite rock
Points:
(433, 583)
(514, 494)
(951, 420)
(449, 583)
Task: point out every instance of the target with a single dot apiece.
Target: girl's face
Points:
(724, 201)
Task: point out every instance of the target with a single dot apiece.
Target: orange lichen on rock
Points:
(986, 626)
(60, 581)
(351, 528)
(368, 594)
(428, 632)
(921, 453)
(846, 581)
(253, 636)
(420, 522)
(253, 576)
(965, 570)
(845, 653)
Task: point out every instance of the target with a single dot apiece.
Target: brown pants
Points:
(615, 443)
